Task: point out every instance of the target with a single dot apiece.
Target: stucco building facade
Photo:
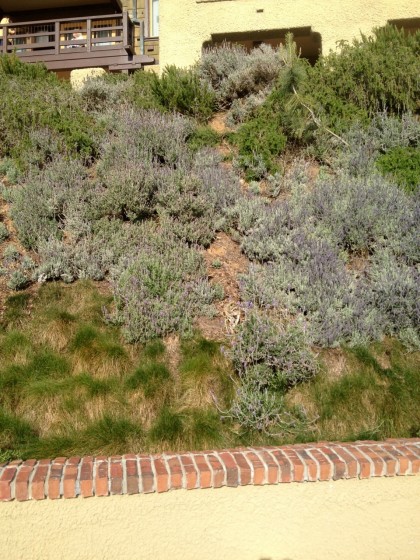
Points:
(175, 31)
(186, 25)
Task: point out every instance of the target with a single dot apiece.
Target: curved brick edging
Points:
(137, 474)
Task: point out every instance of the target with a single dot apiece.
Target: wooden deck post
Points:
(57, 37)
(89, 35)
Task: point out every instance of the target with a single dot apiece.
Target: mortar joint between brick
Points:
(140, 481)
(264, 464)
(184, 482)
(358, 466)
(318, 467)
(225, 481)
(371, 463)
(77, 489)
(197, 470)
(124, 488)
(332, 467)
(152, 466)
(30, 481)
(275, 462)
(212, 475)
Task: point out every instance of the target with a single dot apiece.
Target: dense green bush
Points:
(183, 91)
(260, 139)
(403, 164)
(374, 73)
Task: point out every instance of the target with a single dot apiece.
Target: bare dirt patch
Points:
(218, 123)
(225, 262)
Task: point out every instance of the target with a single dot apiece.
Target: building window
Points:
(155, 19)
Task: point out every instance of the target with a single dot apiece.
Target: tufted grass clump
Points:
(149, 377)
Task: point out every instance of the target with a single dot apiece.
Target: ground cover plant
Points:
(111, 201)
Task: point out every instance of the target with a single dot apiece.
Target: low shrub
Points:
(275, 357)
(160, 289)
(11, 254)
(393, 289)
(51, 119)
(17, 281)
(233, 73)
(4, 233)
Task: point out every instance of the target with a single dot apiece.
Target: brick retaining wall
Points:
(138, 474)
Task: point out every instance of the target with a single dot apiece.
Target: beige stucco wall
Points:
(375, 519)
(186, 24)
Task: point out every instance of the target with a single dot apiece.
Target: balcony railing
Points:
(52, 41)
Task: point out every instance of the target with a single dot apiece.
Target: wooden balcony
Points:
(66, 44)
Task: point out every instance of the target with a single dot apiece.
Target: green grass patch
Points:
(198, 357)
(16, 310)
(168, 427)
(150, 377)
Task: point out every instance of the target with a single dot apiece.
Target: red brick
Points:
(38, 490)
(218, 472)
(325, 469)
(132, 474)
(310, 463)
(364, 465)
(244, 468)
(54, 480)
(146, 474)
(415, 449)
(339, 466)
(414, 460)
(231, 467)
(204, 471)
(6, 480)
(348, 459)
(175, 471)
(389, 459)
(191, 474)
(272, 467)
(86, 477)
(379, 466)
(22, 480)
(162, 475)
(258, 468)
(285, 464)
(298, 468)
(70, 476)
(402, 463)
(116, 475)
(101, 479)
